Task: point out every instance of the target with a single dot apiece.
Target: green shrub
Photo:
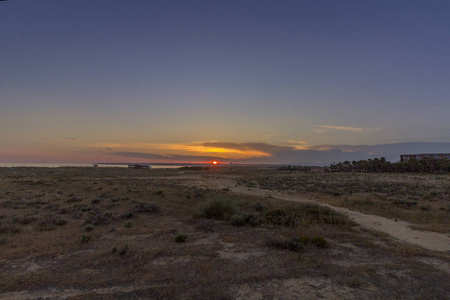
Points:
(127, 215)
(181, 237)
(82, 206)
(74, 199)
(77, 214)
(60, 222)
(146, 208)
(25, 220)
(304, 213)
(89, 227)
(293, 244)
(253, 220)
(45, 225)
(96, 218)
(319, 241)
(15, 229)
(313, 213)
(50, 222)
(238, 219)
(304, 239)
(218, 209)
(280, 216)
(258, 207)
(64, 210)
(298, 243)
(123, 250)
(241, 219)
(96, 201)
(3, 228)
(128, 224)
(85, 239)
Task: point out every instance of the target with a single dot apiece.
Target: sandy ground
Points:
(308, 287)
(399, 230)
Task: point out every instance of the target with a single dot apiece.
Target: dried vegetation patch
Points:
(423, 199)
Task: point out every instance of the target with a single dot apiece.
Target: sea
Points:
(49, 165)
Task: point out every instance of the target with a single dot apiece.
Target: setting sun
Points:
(214, 162)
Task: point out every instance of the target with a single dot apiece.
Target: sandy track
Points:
(399, 230)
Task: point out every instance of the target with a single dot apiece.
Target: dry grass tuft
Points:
(406, 250)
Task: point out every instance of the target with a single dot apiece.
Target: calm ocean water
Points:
(44, 165)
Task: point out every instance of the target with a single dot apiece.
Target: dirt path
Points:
(400, 230)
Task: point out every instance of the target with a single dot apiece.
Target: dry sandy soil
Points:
(109, 233)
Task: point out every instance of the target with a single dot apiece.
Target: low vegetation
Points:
(381, 165)
(417, 198)
(219, 209)
(170, 234)
(298, 244)
(181, 237)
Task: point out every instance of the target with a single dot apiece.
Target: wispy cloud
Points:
(324, 128)
(299, 145)
(258, 149)
(72, 139)
(343, 148)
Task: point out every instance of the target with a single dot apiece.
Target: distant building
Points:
(140, 166)
(406, 157)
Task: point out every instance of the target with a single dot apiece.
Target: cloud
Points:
(324, 128)
(72, 139)
(299, 145)
(234, 150)
(327, 128)
(261, 149)
(171, 157)
(343, 148)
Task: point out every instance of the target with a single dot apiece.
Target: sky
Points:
(308, 82)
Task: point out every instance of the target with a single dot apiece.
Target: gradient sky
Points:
(245, 81)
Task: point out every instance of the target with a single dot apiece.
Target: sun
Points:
(214, 162)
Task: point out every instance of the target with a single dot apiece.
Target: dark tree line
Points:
(430, 165)
(295, 168)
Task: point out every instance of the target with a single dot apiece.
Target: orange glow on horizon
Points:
(214, 162)
(181, 149)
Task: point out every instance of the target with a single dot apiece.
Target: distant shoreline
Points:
(125, 165)
(116, 165)
(65, 165)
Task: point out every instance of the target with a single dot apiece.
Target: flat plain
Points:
(222, 233)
